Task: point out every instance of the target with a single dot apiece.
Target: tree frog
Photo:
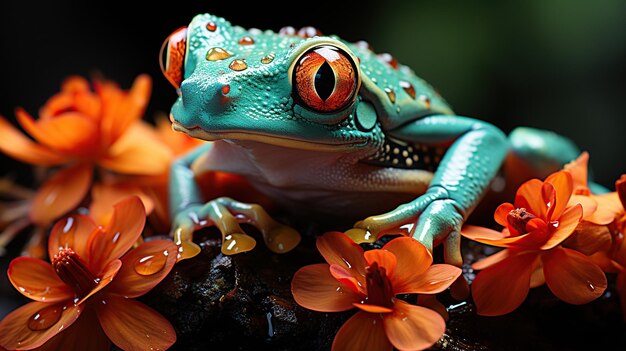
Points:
(330, 129)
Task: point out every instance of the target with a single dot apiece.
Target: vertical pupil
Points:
(324, 81)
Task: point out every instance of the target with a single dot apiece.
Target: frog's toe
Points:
(277, 237)
(182, 232)
(399, 221)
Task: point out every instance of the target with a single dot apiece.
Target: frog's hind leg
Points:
(536, 153)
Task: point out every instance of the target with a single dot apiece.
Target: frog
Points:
(330, 129)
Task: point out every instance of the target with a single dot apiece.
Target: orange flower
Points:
(535, 226)
(89, 280)
(79, 129)
(369, 281)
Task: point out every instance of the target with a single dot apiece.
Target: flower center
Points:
(518, 218)
(379, 291)
(74, 272)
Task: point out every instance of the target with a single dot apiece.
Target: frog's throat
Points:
(276, 140)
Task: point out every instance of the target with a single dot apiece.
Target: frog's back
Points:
(398, 94)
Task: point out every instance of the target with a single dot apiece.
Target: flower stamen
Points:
(518, 218)
(379, 291)
(74, 272)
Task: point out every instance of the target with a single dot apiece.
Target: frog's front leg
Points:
(476, 152)
(189, 213)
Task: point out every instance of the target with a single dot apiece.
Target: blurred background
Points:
(558, 64)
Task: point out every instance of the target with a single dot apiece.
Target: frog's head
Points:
(297, 91)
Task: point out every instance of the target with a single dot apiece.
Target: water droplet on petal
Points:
(216, 54)
(408, 88)
(246, 40)
(151, 264)
(45, 318)
(238, 65)
(211, 26)
(391, 94)
(591, 286)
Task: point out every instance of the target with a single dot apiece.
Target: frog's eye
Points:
(325, 78)
(173, 56)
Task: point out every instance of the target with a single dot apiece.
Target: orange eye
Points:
(325, 79)
(173, 56)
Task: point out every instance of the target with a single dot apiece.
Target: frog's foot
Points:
(430, 219)
(226, 214)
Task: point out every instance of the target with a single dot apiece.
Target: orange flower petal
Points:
(548, 196)
(589, 238)
(537, 278)
(620, 189)
(501, 288)
(372, 308)
(412, 259)
(61, 193)
(528, 197)
(491, 260)
(19, 147)
(128, 108)
(84, 335)
(609, 207)
(133, 326)
(144, 267)
(572, 276)
(127, 222)
(495, 238)
(567, 223)
(337, 248)
(362, 332)
(15, 332)
(70, 133)
(436, 279)
(412, 327)
(105, 196)
(313, 287)
(138, 151)
(564, 186)
(72, 231)
(106, 277)
(384, 259)
(37, 280)
(578, 169)
(346, 278)
(502, 212)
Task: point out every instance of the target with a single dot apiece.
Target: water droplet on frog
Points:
(216, 54)
(426, 100)
(238, 65)
(268, 58)
(388, 59)
(225, 91)
(391, 94)
(246, 40)
(362, 44)
(289, 30)
(309, 32)
(211, 26)
(408, 88)
(151, 264)
(45, 318)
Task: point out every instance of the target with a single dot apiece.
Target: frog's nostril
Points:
(225, 89)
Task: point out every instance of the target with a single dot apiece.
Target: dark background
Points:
(558, 64)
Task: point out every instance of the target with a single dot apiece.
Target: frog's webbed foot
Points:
(432, 218)
(226, 214)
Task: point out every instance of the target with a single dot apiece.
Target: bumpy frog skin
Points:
(330, 129)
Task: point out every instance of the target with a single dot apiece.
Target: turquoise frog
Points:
(332, 130)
